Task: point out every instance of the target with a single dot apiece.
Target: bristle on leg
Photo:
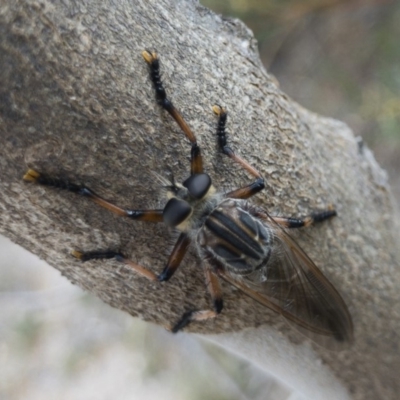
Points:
(77, 254)
(149, 57)
(31, 175)
(218, 110)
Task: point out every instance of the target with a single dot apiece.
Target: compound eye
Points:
(176, 211)
(198, 185)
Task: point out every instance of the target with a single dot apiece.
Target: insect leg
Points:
(140, 215)
(175, 258)
(173, 262)
(107, 255)
(251, 189)
(152, 60)
(177, 254)
(214, 288)
(306, 221)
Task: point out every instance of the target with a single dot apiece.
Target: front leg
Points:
(251, 189)
(161, 95)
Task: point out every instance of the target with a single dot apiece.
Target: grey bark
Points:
(76, 102)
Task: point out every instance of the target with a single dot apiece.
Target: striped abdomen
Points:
(236, 238)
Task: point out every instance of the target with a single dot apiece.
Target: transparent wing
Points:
(293, 286)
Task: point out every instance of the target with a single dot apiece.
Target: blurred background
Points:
(338, 58)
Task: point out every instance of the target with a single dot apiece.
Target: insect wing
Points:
(293, 286)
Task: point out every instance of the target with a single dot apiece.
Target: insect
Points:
(237, 242)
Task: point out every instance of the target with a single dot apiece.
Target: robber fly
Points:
(236, 241)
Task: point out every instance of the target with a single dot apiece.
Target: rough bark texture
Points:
(76, 102)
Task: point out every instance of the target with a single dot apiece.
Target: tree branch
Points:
(76, 102)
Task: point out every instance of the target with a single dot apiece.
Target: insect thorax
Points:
(235, 238)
